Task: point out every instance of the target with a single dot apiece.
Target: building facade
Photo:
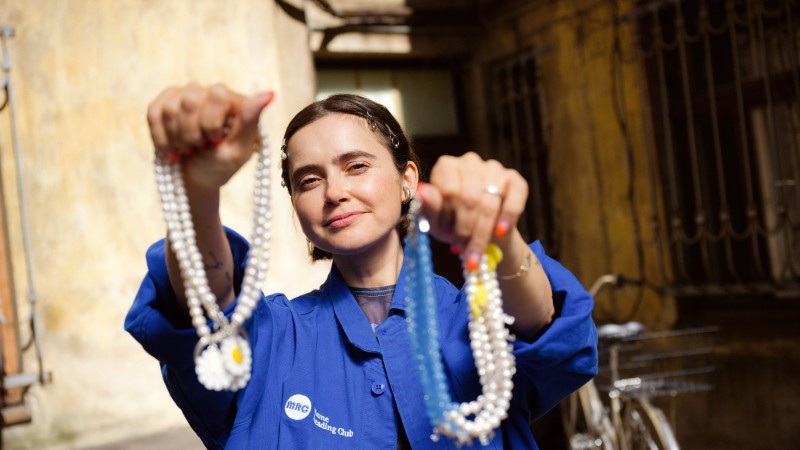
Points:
(659, 139)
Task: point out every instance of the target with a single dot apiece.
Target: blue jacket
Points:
(323, 379)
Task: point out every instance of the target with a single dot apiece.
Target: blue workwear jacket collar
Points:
(352, 320)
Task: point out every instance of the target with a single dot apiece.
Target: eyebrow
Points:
(340, 159)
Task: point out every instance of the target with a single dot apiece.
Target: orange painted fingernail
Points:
(472, 261)
(502, 228)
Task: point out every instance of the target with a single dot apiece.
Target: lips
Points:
(342, 220)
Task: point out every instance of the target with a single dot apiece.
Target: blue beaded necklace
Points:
(489, 339)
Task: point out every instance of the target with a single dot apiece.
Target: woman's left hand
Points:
(471, 202)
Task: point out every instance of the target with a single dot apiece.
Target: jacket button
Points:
(378, 388)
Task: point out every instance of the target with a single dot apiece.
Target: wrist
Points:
(518, 259)
(204, 202)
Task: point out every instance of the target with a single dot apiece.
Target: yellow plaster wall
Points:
(590, 174)
(83, 73)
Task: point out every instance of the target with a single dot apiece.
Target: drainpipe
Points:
(22, 380)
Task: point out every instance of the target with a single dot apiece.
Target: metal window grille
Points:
(518, 136)
(722, 82)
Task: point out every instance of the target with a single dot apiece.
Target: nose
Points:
(336, 191)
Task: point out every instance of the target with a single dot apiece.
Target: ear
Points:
(411, 177)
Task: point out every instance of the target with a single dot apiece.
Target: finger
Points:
(155, 122)
(251, 111)
(431, 199)
(470, 170)
(246, 127)
(494, 183)
(515, 197)
(170, 110)
(433, 207)
(445, 177)
(483, 226)
(218, 107)
(191, 102)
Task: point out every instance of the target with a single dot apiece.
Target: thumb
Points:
(252, 107)
(432, 203)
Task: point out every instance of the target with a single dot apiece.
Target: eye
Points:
(308, 182)
(357, 167)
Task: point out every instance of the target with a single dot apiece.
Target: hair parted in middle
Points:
(380, 121)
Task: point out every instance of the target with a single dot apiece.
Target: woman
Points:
(334, 367)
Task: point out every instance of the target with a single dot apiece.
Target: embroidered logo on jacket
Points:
(324, 423)
(297, 407)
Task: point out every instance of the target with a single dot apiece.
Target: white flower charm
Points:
(211, 371)
(225, 366)
(237, 360)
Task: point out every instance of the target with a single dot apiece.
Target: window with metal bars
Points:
(723, 82)
(518, 139)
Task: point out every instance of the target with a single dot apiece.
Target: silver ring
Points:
(493, 190)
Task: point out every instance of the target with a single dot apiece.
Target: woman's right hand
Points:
(211, 129)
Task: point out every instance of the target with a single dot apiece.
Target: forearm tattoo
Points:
(215, 264)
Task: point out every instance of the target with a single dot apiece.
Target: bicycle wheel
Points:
(646, 427)
(586, 423)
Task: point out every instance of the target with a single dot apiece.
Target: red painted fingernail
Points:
(472, 261)
(502, 228)
(174, 157)
(455, 249)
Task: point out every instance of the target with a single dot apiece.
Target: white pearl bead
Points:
(198, 320)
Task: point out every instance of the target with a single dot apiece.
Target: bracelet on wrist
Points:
(523, 269)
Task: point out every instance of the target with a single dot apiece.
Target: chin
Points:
(353, 244)
(343, 248)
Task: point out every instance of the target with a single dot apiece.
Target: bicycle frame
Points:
(632, 419)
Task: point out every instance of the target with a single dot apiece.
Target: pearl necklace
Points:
(488, 333)
(222, 356)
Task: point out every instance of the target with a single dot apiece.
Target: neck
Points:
(376, 267)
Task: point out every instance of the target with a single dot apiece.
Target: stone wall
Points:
(598, 194)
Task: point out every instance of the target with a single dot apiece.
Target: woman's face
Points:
(345, 187)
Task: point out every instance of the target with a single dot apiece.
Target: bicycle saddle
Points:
(612, 331)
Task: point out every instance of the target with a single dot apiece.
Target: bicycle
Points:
(635, 375)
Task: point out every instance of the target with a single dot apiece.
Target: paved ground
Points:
(177, 438)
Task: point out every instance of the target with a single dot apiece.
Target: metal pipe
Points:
(7, 33)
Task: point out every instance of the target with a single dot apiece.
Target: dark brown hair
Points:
(378, 118)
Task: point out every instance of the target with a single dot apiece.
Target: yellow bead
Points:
(493, 256)
(237, 355)
(479, 300)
